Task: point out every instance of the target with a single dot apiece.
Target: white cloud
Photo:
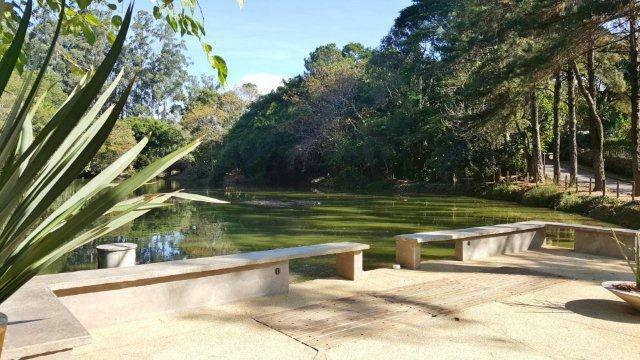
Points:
(264, 81)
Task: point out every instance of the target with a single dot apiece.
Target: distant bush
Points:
(164, 137)
(627, 215)
(506, 192)
(571, 203)
(542, 196)
(119, 141)
(607, 209)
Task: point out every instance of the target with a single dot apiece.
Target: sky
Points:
(268, 40)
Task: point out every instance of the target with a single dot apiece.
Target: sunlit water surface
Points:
(264, 219)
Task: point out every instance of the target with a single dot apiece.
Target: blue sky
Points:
(269, 39)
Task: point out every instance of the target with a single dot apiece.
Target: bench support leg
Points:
(408, 254)
(349, 265)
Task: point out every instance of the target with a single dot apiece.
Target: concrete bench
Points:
(40, 324)
(472, 243)
(596, 240)
(484, 241)
(50, 315)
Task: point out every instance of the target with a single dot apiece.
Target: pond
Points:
(267, 219)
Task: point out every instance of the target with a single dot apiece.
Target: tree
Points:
(163, 138)
(137, 57)
(211, 113)
(634, 95)
(161, 69)
(557, 89)
(538, 166)
(596, 131)
(457, 88)
(81, 20)
(168, 72)
(74, 55)
(572, 126)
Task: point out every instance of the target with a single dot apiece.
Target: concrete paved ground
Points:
(575, 319)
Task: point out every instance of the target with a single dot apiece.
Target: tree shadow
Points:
(23, 321)
(602, 309)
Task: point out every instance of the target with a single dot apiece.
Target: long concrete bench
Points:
(597, 240)
(50, 315)
(472, 243)
(485, 241)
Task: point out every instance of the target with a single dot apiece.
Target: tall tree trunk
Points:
(572, 126)
(635, 102)
(556, 128)
(538, 166)
(596, 131)
(527, 149)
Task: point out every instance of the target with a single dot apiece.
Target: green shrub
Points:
(506, 192)
(572, 203)
(628, 215)
(164, 137)
(542, 196)
(119, 142)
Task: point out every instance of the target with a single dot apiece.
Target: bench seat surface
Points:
(180, 267)
(39, 323)
(474, 232)
(587, 228)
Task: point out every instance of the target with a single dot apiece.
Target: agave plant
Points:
(35, 171)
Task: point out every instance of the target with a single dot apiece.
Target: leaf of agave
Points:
(18, 268)
(197, 197)
(10, 57)
(95, 209)
(25, 105)
(79, 135)
(8, 180)
(43, 68)
(82, 83)
(70, 147)
(25, 264)
(10, 132)
(67, 117)
(124, 204)
(25, 267)
(110, 223)
(40, 199)
(112, 196)
(39, 187)
(79, 198)
(26, 134)
(60, 163)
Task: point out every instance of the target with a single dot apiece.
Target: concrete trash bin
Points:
(116, 255)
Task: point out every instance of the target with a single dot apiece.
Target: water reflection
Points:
(259, 220)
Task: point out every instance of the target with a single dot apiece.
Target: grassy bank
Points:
(607, 209)
(623, 213)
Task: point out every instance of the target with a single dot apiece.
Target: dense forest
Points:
(457, 89)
